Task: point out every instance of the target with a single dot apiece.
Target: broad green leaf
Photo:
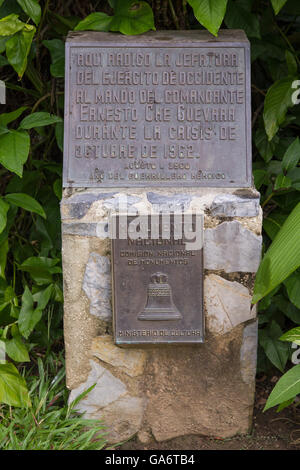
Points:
(277, 102)
(291, 63)
(59, 135)
(18, 47)
(287, 387)
(95, 21)
(13, 390)
(238, 17)
(39, 120)
(276, 351)
(265, 148)
(57, 52)
(292, 285)
(6, 118)
(3, 257)
(3, 214)
(292, 335)
(16, 349)
(287, 308)
(292, 155)
(132, 17)
(281, 259)
(43, 296)
(3, 61)
(3, 40)
(209, 13)
(57, 188)
(260, 177)
(282, 182)
(32, 9)
(29, 316)
(10, 25)
(41, 269)
(25, 202)
(14, 150)
(277, 5)
(273, 223)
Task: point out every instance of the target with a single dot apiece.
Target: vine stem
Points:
(174, 16)
(43, 98)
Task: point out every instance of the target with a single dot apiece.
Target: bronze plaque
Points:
(162, 109)
(157, 286)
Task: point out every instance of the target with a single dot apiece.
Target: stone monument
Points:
(157, 130)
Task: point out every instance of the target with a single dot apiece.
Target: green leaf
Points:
(43, 296)
(32, 9)
(10, 25)
(16, 349)
(57, 188)
(292, 335)
(292, 285)
(292, 155)
(18, 47)
(14, 150)
(277, 5)
(282, 182)
(3, 214)
(132, 17)
(265, 148)
(39, 120)
(3, 61)
(287, 387)
(276, 351)
(4, 247)
(29, 316)
(13, 390)
(25, 202)
(281, 259)
(6, 118)
(287, 308)
(238, 17)
(291, 62)
(277, 102)
(260, 177)
(57, 52)
(95, 22)
(209, 13)
(41, 268)
(273, 223)
(59, 135)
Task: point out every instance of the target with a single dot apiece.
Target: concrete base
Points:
(165, 391)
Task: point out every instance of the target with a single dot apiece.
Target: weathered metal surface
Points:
(161, 109)
(157, 289)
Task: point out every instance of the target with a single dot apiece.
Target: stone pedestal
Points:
(164, 391)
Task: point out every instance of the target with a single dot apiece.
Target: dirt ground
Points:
(271, 430)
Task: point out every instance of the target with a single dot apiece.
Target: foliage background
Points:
(32, 37)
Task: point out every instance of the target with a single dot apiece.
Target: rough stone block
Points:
(227, 304)
(232, 248)
(107, 390)
(97, 285)
(130, 361)
(231, 205)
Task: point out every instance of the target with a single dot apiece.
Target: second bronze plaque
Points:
(157, 286)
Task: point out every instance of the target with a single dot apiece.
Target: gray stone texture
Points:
(248, 353)
(97, 285)
(232, 248)
(231, 205)
(227, 304)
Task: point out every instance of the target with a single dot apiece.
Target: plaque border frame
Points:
(132, 42)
